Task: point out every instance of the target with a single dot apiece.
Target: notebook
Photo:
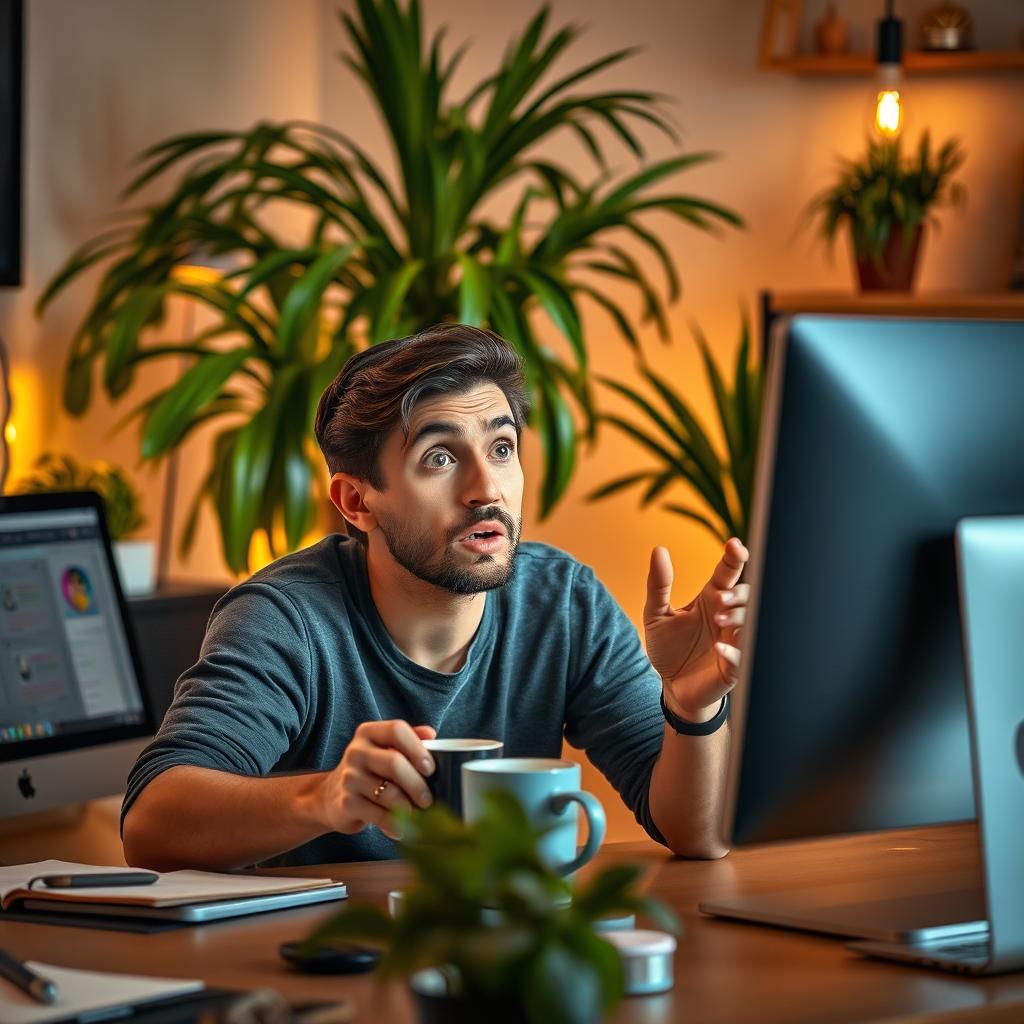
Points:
(176, 895)
(91, 995)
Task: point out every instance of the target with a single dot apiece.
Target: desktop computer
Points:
(851, 714)
(73, 715)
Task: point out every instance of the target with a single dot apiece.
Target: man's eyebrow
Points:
(447, 428)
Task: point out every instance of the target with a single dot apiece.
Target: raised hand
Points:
(693, 648)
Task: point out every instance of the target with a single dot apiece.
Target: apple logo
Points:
(25, 785)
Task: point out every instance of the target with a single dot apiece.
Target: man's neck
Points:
(431, 626)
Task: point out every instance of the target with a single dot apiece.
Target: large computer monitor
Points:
(73, 714)
(850, 714)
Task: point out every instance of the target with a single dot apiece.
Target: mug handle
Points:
(595, 825)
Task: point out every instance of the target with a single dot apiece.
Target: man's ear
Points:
(347, 493)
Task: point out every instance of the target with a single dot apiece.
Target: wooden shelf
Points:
(916, 62)
(1005, 305)
(983, 305)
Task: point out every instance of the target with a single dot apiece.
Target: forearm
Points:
(687, 790)
(190, 817)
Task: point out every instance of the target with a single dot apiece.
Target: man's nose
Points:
(480, 488)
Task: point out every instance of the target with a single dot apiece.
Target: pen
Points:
(41, 989)
(96, 878)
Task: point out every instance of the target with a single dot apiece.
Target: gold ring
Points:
(378, 792)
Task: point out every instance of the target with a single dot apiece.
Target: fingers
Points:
(382, 771)
(730, 623)
(407, 787)
(659, 585)
(369, 813)
(399, 736)
(728, 661)
(730, 566)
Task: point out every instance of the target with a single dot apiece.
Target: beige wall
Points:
(108, 77)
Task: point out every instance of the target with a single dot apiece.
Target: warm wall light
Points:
(888, 118)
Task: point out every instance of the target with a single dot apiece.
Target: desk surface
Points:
(724, 972)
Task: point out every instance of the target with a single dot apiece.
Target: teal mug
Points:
(549, 790)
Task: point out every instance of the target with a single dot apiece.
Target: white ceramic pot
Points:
(136, 565)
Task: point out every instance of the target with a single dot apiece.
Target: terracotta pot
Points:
(898, 264)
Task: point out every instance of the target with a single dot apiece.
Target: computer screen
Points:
(879, 435)
(68, 672)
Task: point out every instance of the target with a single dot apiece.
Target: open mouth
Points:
(487, 530)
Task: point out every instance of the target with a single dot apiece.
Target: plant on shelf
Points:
(684, 449)
(121, 501)
(510, 939)
(885, 200)
(386, 251)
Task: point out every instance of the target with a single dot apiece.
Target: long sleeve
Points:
(613, 709)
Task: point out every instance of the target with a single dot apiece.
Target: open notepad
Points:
(179, 895)
(87, 994)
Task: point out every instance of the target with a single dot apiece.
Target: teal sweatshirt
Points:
(296, 657)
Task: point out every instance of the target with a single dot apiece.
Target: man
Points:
(301, 728)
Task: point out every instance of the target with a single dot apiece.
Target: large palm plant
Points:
(386, 251)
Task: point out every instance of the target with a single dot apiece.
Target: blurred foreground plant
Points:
(544, 954)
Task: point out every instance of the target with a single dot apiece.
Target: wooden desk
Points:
(724, 972)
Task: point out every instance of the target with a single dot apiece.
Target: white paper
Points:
(173, 888)
(84, 991)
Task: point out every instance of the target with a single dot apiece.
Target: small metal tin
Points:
(615, 923)
(646, 960)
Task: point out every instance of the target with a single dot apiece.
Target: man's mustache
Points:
(481, 515)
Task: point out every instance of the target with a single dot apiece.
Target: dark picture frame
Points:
(11, 113)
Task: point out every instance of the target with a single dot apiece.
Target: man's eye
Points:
(435, 460)
(504, 450)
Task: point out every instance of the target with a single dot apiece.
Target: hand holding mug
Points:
(384, 769)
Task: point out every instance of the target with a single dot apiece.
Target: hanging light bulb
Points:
(889, 101)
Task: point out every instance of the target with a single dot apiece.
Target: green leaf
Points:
(136, 312)
(392, 294)
(698, 517)
(563, 987)
(474, 292)
(199, 386)
(618, 485)
(303, 302)
(558, 304)
(248, 468)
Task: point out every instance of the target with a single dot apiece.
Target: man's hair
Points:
(378, 388)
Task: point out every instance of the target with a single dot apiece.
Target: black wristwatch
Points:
(685, 728)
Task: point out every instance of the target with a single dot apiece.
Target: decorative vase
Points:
(832, 33)
(897, 268)
(136, 566)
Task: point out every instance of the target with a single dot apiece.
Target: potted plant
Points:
(135, 558)
(387, 251)
(487, 932)
(684, 449)
(885, 200)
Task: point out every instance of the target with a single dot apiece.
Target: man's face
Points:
(451, 510)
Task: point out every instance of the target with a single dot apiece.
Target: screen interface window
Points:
(65, 666)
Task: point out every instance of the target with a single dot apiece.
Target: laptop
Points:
(990, 566)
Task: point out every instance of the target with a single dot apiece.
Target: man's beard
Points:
(416, 554)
